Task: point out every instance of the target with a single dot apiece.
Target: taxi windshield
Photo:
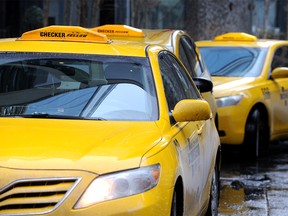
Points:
(234, 61)
(49, 85)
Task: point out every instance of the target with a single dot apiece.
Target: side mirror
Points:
(191, 110)
(203, 84)
(280, 72)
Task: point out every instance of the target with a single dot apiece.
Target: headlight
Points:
(228, 101)
(121, 184)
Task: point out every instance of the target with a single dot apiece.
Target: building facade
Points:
(203, 19)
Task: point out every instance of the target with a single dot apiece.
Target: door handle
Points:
(199, 129)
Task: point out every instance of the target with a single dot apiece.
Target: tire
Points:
(257, 135)
(176, 207)
(214, 194)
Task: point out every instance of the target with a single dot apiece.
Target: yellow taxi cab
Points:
(250, 77)
(95, 126)
(182, 45)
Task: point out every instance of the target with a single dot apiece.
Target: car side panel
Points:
(192, 159)
(279, 97)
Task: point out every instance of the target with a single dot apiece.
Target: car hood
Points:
(224, 86)
(95, 146)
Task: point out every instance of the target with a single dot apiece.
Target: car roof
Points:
(162, 37)
(166, 37)
(75, 39)
(239, 39)
(159, 36)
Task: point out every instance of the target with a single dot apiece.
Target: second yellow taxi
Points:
(250, 78)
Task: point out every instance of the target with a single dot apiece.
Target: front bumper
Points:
(55, 192)
(231, 120)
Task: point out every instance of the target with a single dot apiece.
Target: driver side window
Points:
(177, 83)
(280, 58)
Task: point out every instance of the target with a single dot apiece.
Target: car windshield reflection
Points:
(101, 89)
(234, 61)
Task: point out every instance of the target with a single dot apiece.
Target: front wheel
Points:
(177, 204)
(214, 194)
(257, 135)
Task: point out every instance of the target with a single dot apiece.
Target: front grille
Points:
(35, 196)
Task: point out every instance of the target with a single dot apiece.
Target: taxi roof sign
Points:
(235, 36)
(64, 33)
(119, 30)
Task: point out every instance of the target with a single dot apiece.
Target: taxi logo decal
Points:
(194, 155)
(105, 31)
(284, 95)
(118, 30)
(111, 31)
(266, 93)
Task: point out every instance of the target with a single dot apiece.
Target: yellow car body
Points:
(250, 86)
(70, 145)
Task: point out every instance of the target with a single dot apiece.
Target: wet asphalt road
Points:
(258, 187)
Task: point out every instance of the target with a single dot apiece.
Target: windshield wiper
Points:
(50, 116)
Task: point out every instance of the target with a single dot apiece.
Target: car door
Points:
(280, 92)
(190, 136)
